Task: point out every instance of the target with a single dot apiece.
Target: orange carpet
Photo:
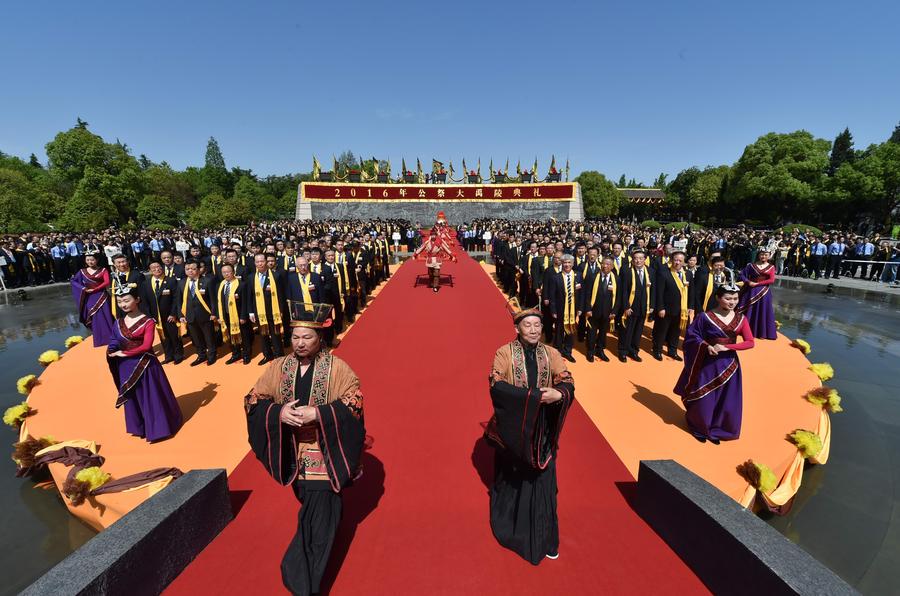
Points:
(634, 407)
(75, 401)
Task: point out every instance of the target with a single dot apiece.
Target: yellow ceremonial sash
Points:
(709, 289)
(569, 320)
(234, 320)
(596, 289)
(546, 262)
(631, 293)
(261, 316)
(530, 258)
(159, 317)
(184, 296)
(682, 289)
(340, 280)
(304, 290)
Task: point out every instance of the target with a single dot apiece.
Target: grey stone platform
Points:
(729, 548)
(146, 549)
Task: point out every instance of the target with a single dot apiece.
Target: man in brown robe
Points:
(305, 424)
(531, 390)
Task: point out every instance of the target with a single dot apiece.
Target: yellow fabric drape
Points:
(261, 316)
(569, 319)
(234, 322)
(596, 288)
(304, 290)
(159, 317)
(647, 285)
(184, 296)
(682, 289)
(709, 289)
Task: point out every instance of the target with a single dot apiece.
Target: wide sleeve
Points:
(747, 336)
(341, 431)
(271, 441)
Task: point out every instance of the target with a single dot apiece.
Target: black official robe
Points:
(525, 434)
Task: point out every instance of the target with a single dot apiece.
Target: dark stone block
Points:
(728, 547)
(146, 549)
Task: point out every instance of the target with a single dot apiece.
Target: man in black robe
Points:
(531, 391)
(636, 305)
(309, 433)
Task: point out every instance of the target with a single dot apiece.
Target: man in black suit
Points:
(170, 268)
(600, 301)
(672, 306)
(230, 288)
(328, 293)
(634, 310)
(527, 263)
(213, 262)
(124, 275)
(346, 268)
(548, 288)
(702, 293)
(268, 287)
(195, 306)
(164, 290)
(589, 269)
(564, 303)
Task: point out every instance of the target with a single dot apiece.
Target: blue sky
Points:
(620, 87)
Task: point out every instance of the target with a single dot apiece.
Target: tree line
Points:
(779, 178)
(89, 183)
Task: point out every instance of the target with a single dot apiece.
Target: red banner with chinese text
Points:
(333, 191)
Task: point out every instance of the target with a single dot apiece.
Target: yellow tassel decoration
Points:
(823, 370)
(26, 383)
(14, 415)
(73, 340)
(825, 397)
(777, 324)
(808, 443)
(93, 476)
(759, 476)
(802, 345)
(48, 357)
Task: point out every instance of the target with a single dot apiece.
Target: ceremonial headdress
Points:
(310, 314)
(518, 313)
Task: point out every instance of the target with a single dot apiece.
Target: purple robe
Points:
(710, 386)
(93, 307)
(756, 303)
(151, 410)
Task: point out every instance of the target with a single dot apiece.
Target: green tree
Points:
(162, 180)
(34, 162)
(841, 151)
(622, 183)
(18, 197)
(895, 136)
(70, 152)
(660, 181)
(214, 158)
(779, 175)
(156, 209)
(706, 191)
(600, 196)
(93, 205)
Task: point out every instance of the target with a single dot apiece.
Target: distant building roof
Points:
(643, 195)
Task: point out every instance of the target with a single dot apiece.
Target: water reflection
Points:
(844, 512)
(39, 532)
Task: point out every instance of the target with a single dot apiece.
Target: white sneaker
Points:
(552, 557)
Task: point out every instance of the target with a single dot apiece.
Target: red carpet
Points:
(417, 522)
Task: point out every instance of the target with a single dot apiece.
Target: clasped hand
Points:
(550, 395)
(298, 416)
(714, 349)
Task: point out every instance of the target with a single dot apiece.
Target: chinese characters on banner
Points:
(329, 191)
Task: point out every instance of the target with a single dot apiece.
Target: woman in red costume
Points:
(435, 249)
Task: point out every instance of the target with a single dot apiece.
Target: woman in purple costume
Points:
(710, 384)
(151, 411)
(89, 291)
(756, 296)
